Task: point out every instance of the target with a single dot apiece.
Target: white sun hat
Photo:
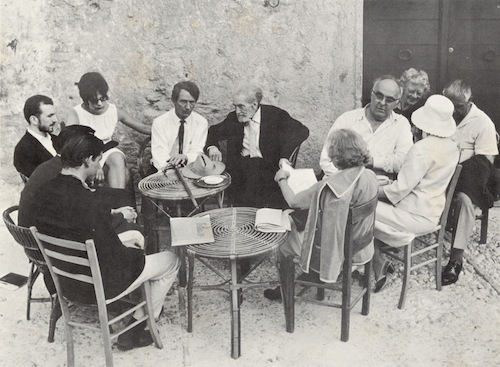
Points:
(435, 117)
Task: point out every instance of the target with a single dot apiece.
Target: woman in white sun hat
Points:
(413, 203)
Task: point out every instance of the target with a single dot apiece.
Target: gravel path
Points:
(458, 326)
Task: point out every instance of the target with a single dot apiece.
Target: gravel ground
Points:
(455, 327)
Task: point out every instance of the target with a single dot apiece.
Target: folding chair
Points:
(61, 257)
(24, 237)
(426, 244)
(287, 270)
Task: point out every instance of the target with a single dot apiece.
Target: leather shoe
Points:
(451, 272)
(388, 268)
(273, 294)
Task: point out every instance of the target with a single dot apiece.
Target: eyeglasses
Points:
(96, 100)
(380, 97)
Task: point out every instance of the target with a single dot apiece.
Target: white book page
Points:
(300, 179)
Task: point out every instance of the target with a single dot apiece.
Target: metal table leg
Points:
(235, 312)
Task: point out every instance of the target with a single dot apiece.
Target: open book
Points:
(300, 179)
(272, 220)
(191, 231)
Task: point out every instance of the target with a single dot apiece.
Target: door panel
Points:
(449, 39)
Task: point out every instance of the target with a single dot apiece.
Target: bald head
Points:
(385, 95)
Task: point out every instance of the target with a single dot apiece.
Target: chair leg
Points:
(346, 301)
(365, 308)
(34, 272)
(287, 277)
(484, 226)
(190, 292)
(439, 265)
(406, 274)
(55, 314)
(70, 347)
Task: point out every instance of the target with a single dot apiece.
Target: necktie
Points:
(180, 136)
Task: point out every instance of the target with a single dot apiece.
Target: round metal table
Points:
(166, 188)
(235, 238)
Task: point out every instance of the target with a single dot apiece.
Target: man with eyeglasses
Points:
(387, 134)
(179, 135)
(36, 146)
(477, 139)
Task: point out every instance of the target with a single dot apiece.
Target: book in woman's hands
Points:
(271, 220)
(191, 231)
(300, 179)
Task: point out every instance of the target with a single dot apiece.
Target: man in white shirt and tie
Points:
(35, 147)
(178, 136)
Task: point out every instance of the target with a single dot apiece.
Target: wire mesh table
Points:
(235, 238)
(165, 188)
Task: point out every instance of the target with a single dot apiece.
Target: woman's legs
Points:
(117, 174)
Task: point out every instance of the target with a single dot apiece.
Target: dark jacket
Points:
(480, 180)
(63, 208)
(280, 134)
(29, 153)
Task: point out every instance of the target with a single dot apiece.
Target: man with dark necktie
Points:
(178, 136)
(258, 136)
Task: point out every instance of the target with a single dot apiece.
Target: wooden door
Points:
(473, 51)
(449, 39)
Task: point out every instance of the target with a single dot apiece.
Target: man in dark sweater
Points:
(36, 147)
(66, 207)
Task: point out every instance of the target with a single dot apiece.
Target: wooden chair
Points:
(24, 237)
(144, 157)
(426, 243)
(24, 178)
(84, 255)
(287, 271)
(294, 155)
(483, 217)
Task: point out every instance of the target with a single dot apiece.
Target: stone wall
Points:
(306, 55)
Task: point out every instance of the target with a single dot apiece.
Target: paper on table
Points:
(191, 231)
(271, 220)
(300, 179)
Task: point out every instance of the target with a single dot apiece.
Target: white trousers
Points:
(400, 220)
(161, 270)
(466, 221)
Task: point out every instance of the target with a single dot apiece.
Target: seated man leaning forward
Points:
(477, 140)
(351, 184)
(179, 136)
(415, 201)
(65, 207)
(36, 146)
(124, 218)
(257, 137)
(387, 134)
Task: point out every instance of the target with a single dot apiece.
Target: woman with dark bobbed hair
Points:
(352, 184)
(102, 116)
